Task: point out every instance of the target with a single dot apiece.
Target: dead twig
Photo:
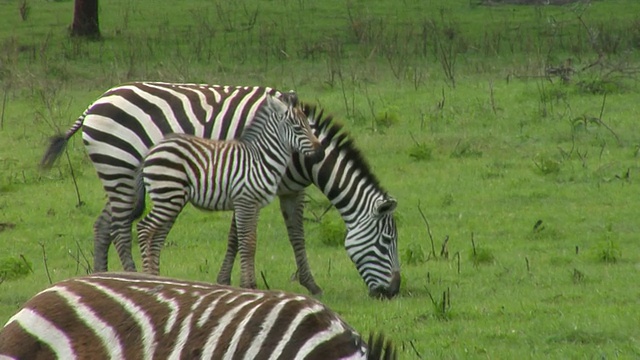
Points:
(424, 218)
(599, 120)
(473, 244)
(444, 250)
(44, 259)
(75, 182)
(81, 259)
(264, 279)
(414, 349)
(4, 105)
(24, 260)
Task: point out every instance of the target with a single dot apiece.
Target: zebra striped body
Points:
(121, 126)
(241, 175)
(141, 316)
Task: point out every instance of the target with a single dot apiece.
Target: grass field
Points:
(460, 114)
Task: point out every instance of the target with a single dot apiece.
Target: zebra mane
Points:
(262, 117)
(329, 131)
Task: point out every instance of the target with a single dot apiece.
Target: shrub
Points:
(414, 254)
(332, 232)
(482, 256)
(465, 149)
(546, 165)
(387, 118)
(420, 152)
(609, 252)
(13, 268)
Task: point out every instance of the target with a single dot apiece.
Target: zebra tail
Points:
(58, 143)
(380, 348)
(139, 191)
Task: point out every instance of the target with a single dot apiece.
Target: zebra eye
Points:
(387, 239)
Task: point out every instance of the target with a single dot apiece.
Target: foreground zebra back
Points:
(139, 316)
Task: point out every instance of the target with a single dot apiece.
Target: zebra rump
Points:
(141, 316)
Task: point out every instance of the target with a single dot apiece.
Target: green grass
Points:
(506, 155)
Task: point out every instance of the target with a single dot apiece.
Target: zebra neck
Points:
(349, 192)
(270, 155)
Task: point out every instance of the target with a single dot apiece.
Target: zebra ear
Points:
(385, 206)
(290, 98)
(275, 103)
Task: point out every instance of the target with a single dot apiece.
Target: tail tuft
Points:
(56, 147)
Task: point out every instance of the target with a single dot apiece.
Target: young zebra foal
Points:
(141, 316)
(241, 175)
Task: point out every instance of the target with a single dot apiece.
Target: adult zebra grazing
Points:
(240, 175)
(141, 316)
(121, 126)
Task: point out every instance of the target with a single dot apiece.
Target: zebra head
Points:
(372, 245)
(295, 130)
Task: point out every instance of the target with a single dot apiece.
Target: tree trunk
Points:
(85, 19)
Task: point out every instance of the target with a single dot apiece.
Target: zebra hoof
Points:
(316, 292)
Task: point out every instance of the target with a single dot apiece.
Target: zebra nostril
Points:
(389, 292)
(394, 287)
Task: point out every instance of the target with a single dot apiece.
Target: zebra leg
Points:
(151, 240)
(224, 276)
(247, 222)
(153, 230)
(102, 240)
(156, 244)
(292, 208)
(146, 232)
(121, 233)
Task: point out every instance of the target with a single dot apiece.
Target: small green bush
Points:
(420, 152)
(609, 252)
(465, 149)
(332, 232)
(13, 268)
(387, 118)
(546, 165)
(598, 86)
(414, 254)
(482, 256)
(577, 276)
(447, 200)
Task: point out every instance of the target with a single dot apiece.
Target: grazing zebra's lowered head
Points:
(345, 177)
(241, 175)
(140, 316)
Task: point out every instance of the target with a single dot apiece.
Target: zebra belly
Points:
(217, 201)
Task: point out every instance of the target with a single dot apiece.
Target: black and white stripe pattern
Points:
(121, 126)
(140, 316)
(241, 175)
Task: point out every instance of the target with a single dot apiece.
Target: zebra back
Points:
(139, 316)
